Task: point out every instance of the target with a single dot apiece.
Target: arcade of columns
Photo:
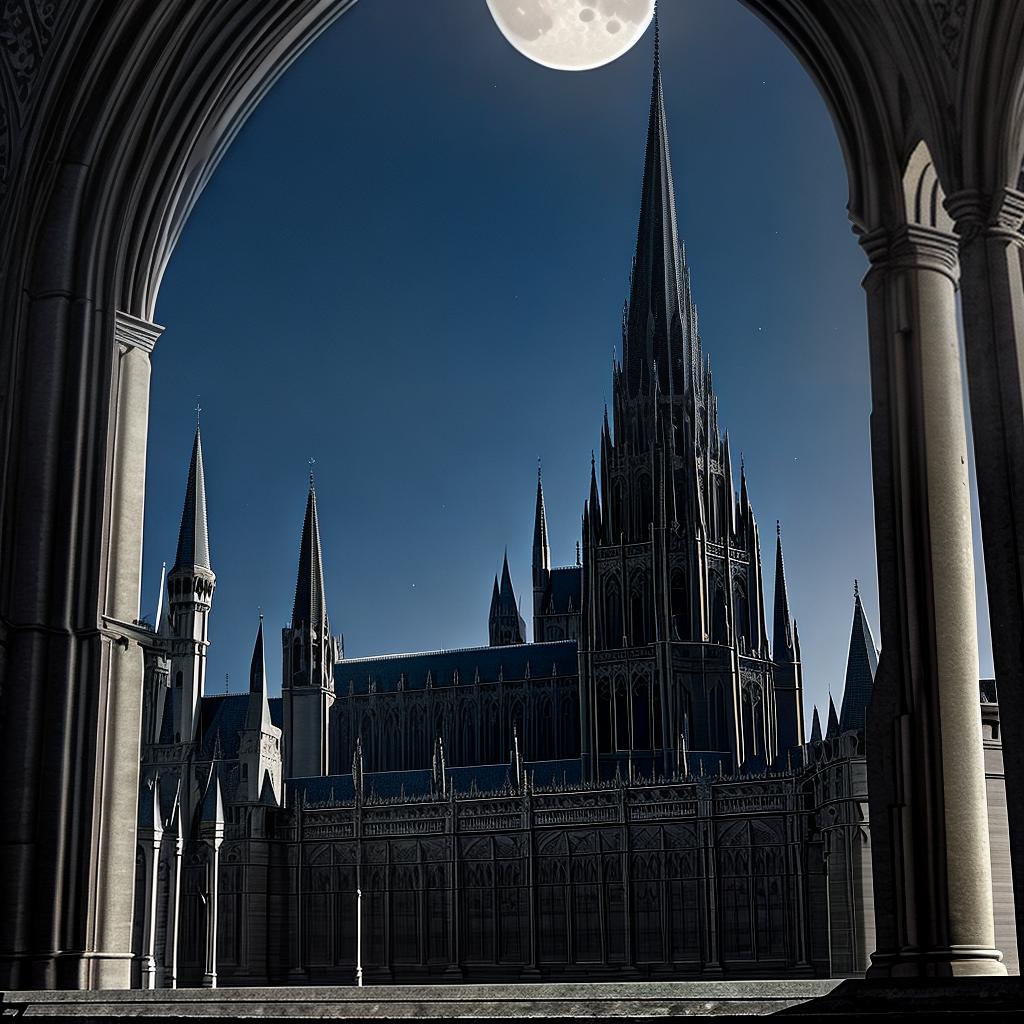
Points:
(111, 122)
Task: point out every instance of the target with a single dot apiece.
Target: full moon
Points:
(572, 35)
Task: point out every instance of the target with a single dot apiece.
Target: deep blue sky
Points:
(411, 267)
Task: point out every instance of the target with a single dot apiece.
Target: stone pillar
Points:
(992, 286)
(151, 860)
(175, 907)
(931, 864)
(213, 894)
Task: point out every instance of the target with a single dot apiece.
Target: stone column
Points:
(992, 287)
(119, 733)
(933, 889)
(213, 865)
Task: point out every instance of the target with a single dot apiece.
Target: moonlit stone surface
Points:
(572, 35)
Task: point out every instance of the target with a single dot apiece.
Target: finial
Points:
(577, 552)
(225, 684)
(199, 412)
(312, 463)
(593, 461)
(856, 590)
(538, 469)
(778, 528)
(259, 608)
(657, 37)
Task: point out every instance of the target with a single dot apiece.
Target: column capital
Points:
(975, 213)
(134, 332)
(913, 247)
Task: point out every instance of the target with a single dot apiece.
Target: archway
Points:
(118, 121)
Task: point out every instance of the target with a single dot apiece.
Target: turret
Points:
(190, 586)
(309, 654)
(861, 665)
(259, 750)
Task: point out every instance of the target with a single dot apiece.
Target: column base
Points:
(209, 981)
(939, 962)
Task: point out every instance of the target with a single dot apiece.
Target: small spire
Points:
(833, 719)
(861, 666)
(193, 534)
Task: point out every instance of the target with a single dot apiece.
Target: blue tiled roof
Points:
(392, 672)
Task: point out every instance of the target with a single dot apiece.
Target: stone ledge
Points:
(608, 1000)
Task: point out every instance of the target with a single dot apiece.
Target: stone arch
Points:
(115, 142)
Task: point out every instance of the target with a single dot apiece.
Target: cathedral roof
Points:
(861, 665)
(392, 672)
(222, 719)
(193, 534)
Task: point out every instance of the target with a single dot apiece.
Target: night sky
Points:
(410, 267)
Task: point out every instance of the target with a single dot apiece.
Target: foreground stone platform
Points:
(950, 999)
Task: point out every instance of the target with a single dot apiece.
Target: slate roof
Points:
(392, 672)
(224, 717)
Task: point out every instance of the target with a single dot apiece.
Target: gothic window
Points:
(742, 610)
(621, 715)
(645, 505)
(656, 725)
(612, 614)
(719, 620)
(553, 935)
(680, 606)
(716, 719)
(641, 715)
(617, 521)
(605, 718)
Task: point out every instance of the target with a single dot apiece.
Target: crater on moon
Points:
(572, 35)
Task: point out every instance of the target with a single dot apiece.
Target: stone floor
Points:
(948, 999)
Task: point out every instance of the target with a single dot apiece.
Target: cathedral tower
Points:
(674, 652)
(309, 654)
(190, 586)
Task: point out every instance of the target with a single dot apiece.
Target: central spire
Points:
(659, 314)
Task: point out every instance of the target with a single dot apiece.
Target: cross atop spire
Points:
(193, 534)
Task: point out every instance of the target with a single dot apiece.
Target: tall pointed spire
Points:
(833, 728)
(541, 546)
(782, 630)
(310, 602)
(193, 535)
(655, 319)
(257, 715)
(861, 665)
